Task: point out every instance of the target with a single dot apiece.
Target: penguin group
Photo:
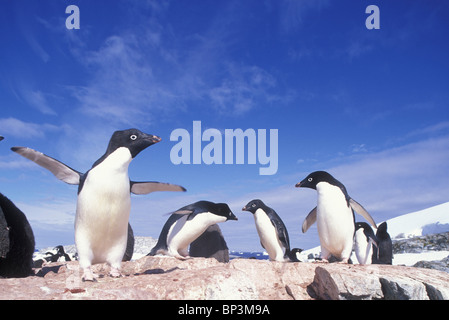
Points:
(51, 256)
(103, 233)
(338, 231)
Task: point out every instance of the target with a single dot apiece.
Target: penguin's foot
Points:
(344, 261)
(88, 275)
(180, 257)
(115, 273)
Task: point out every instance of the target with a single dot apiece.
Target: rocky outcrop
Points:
(246, 279)
(431, 242)
(357, 282)
(442, 265)
(427, 243)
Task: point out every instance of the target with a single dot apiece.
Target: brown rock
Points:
(357, 282)
(248, 279)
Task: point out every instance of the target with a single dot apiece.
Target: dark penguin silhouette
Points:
(211, 244)
(383, 254)
(16, 241)
(60, 252)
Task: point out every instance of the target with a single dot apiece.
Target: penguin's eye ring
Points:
(133, 137)
(253, 205)
(310, 179)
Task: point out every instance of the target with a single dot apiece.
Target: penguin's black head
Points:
(1, 138)
(60, 249)
(382, 228)
(253, 205)
(222, 209)
(362, 225)
(367, 230)
(314, 178)
(133, 139)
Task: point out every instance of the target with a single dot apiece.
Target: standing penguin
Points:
(334, 215)
(188, 223)
(383, 254)
(104, 201)
(364, 239)
(16, 241)
(272, 231)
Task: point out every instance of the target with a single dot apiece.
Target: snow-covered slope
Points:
(428, 221)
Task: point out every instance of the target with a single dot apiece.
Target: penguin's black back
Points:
(18, 259)
(384, 253)
(211, 244)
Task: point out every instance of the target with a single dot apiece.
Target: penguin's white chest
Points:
(103, 206)
(363, 248)
(335, 222)
(184, 231)
(268, 236)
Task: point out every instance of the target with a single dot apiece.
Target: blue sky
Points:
(369, 106)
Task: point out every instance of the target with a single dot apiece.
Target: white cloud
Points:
(121, 87)
(50, 215)
(402, 179)
(292, 12)
(38, 100)
(242, 88)
(14, 162)
(357, 148)
(20, 129)
(159, 69)
(437, 128)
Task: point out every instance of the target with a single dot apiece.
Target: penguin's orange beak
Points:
(155, 139)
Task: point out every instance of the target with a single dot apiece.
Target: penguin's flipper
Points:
(151, 186)
(309, 220)
(182, 212)
(59, 169)
(370, 234)
(187, 210)
(357, 207)
(282, 233)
